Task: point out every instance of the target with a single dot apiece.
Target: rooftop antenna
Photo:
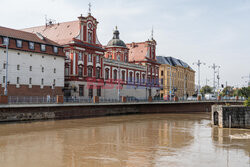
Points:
(90, 8)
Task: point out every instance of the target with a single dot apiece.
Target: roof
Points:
(61, 33)
(18, 34)
(115, 41)
(137, 51)
(172, 61)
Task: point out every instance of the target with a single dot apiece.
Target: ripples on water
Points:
(156, 140)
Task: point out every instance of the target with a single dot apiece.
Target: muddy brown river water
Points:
(157, 140)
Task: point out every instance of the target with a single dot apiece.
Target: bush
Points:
(247, 102)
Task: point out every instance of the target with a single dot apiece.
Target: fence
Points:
(130, 99)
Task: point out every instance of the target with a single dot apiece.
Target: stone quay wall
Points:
(66, 111)
(231, 116)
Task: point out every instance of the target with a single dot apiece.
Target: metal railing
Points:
(129, 99)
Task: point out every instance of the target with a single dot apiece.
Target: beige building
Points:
(182, 78)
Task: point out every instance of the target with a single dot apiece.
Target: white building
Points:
(35, 64)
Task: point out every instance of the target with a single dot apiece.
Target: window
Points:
(42, 69)
(91, 91)
(80, 71)
(123, 75)
(115, 75)
(42, 81)
(106, 73)
(30, 68)
(55, 49)
(43, 47)
(18, 67)
(143, 78)
(110, 56)
(98, 73)
(126, 59)
(54, 70)
(162, 81)
(81, 90)
(97, 59)
(30, 81)
(4, 65)
(19, 43)
(90, 37)
(89, 71)
(3, 79)
(137, 78)
(17, 80)
(161, 73)
(79, 56)
(118, 57)
(5, 41)
(31, 45)
(130, 76)
(67, 71)
(99, 91)
(89, 58)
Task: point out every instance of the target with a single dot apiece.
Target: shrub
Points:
(247, 102)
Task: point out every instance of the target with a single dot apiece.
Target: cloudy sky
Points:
(213, 31)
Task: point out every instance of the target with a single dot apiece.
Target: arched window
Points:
(137, 78)
(106, 73)
(143, 78)
(80, 73)
(115, 75)
(123, 75)
(98, 73)
(131, 76)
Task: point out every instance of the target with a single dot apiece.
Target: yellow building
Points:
(182, 78)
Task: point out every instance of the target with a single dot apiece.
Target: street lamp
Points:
(6, 71)
(199, 63)
(214, 68)
(170, 90)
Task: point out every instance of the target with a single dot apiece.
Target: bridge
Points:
(29, 112)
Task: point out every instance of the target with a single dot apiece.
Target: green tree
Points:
(245, 91)
(206, 89)
(227, 91)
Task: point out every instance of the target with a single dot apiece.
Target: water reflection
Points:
(128, 141)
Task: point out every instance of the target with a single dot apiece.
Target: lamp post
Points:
(170, 90)
(6, 70)
(119, 73)
(214, 68)
(199, 63)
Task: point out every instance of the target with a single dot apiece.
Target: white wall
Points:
(37, 62)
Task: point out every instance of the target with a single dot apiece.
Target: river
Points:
(153, 140)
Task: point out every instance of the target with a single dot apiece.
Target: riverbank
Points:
(29, 112)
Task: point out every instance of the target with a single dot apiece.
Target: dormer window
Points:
(55, 49)
(31, 45)
(43, 47)
(19, 43)
(5, 41)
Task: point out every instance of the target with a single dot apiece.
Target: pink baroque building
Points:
(84, 55)
(111, 71)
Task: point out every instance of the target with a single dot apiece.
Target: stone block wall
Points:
(231, 116)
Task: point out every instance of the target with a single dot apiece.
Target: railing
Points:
(30, 100)
(129, 99)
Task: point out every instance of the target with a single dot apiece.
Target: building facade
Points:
(84, 55)
(177, 76)
(35, 64)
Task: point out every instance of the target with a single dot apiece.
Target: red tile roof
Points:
(12, 33)
(62, 33)
(137, 51)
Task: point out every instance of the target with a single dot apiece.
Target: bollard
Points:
(3, 99)
(124, 99)
(150, 99)
(59, 99)
(96, 99)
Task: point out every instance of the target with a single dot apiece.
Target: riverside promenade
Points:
(30, 112)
